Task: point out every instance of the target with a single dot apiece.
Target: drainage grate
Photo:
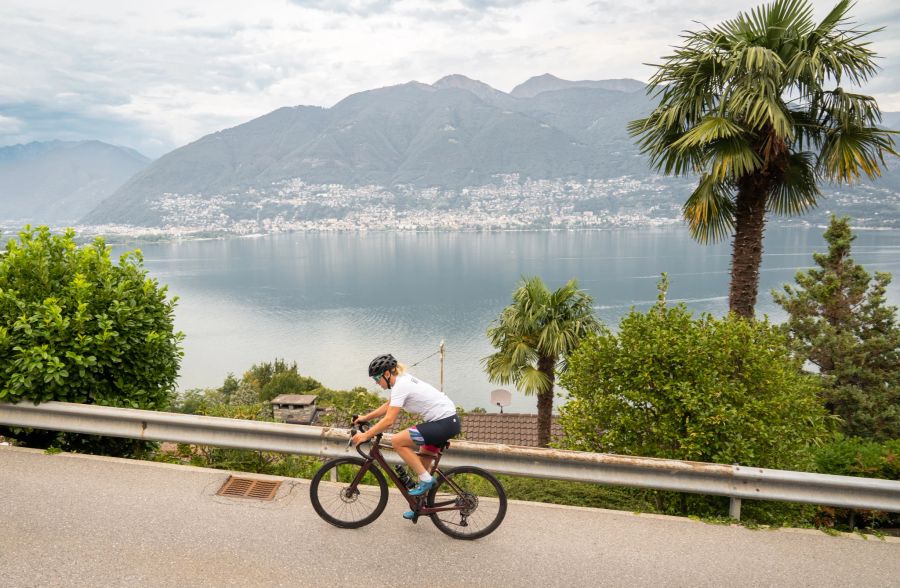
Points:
(248, 488)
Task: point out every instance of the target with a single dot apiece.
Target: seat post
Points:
(434, 457)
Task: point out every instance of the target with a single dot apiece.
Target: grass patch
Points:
(576, 494)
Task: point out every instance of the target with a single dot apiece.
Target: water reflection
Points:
(332, 301)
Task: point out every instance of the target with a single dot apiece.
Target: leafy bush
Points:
(240, 399)
(76, 327)
(849, 456)
(288, 383)
(577, 494)
(714, 390)
(340, 405)
(195, 400)
(271, 379)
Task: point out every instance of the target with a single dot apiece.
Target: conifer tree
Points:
(839, 320)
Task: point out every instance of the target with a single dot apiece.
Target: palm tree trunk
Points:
(545, 401)
(746, 255)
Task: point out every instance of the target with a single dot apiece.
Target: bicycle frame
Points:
(416, 503)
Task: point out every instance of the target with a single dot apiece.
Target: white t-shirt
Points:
(416, 396)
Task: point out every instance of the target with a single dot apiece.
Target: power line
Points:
(424, 358)
(440, 352)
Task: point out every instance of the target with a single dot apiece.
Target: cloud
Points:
(355, 7)
(35, 121)
(482, 5)
(367, 8)
(156, 76)
(10, 125)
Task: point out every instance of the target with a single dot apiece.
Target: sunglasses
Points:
(377, 378)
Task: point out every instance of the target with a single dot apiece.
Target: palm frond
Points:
(498, 368)
(837, 50)
(770, 23)
(758, 104)
(710, 211)
(532, 381)
(756, 61)
(796, 192)
(711, 128)
(837, 16)
(848, 153)
(731, 159)
(841, 108)
(808, 131)
(655, 135)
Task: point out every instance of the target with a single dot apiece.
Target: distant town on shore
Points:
(455, 155)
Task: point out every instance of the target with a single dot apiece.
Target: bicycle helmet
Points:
(381, 364)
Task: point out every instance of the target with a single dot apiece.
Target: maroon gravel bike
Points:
(351, 492)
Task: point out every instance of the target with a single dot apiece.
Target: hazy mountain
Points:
(891, 177)
(215, 163)
(549, 83)
(60, 181)
(480, 89)
(457, 132)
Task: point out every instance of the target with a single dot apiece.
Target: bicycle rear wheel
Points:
(478, 499)
(345, 505)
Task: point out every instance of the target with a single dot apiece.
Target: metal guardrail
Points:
(735, 481)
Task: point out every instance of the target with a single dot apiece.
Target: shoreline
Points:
(160, 235)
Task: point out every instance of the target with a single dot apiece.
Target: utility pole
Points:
(442, 365)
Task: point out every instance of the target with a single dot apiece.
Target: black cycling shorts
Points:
(436, 432)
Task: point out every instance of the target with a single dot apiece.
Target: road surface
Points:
(76, 520)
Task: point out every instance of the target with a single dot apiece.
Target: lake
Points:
(332, 301)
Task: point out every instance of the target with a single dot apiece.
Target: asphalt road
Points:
(75, 520)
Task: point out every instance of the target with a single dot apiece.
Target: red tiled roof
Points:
(511, 429)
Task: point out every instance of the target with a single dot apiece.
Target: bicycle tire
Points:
(483, 500)
(337, 504)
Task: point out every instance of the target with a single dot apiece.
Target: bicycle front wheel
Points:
(476, 500)
(343, 503)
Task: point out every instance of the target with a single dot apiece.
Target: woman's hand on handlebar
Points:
(359, 431)
(359, 438)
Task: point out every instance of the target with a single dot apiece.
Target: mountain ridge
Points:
(418, 146)
(548, 82)
(61, 181)
(452, 133)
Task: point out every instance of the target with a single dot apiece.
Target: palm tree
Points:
(756, 109)
(533, 336)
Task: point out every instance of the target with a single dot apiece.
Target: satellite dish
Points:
(501, 398)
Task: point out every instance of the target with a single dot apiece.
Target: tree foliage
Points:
(534, 336)
(250, 396)
(850, 456)
(76, 327)
(839, 320)
(271, 379)
(756, 108)
(671, 386)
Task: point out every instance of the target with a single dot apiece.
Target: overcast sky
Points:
(157, 75)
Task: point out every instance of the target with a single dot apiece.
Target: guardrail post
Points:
(734, 508)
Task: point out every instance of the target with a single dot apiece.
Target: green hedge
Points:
(851, 456)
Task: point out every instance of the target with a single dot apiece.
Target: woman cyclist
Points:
(440, 421)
